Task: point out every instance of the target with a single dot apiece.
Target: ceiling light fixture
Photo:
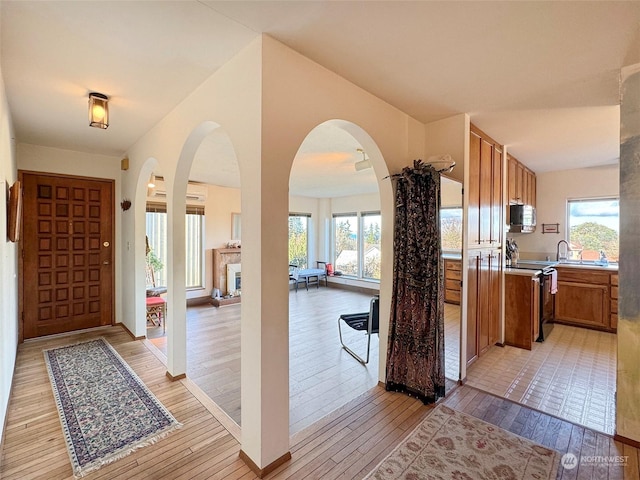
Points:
(364, 163)
(98, 110)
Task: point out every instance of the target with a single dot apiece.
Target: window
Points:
(298, 239)
(356, 242)
(451, 228)
(157, 238)
(594, 226)
(371, 245)
(345, 228)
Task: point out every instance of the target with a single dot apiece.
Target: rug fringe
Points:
(84, 471)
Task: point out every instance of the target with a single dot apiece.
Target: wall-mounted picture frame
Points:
(236, 225)
(14, 211)
(550, 228)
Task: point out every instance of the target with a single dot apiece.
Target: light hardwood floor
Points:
(322, 376)
(346, 444)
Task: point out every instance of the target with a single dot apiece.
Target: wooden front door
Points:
(67, 254)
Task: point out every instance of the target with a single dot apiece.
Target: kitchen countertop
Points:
(588, 266)
(452, 256)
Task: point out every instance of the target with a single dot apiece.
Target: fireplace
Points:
(221, 258)
(234, 279)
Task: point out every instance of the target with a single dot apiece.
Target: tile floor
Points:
(572, 375)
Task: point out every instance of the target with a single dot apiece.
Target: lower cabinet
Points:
(452, 279)
(614, 301)
(483, 302)
(521, 310)
(585, 298)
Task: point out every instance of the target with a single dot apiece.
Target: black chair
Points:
(365, 321)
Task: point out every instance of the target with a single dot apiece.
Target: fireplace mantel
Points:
(221, 257)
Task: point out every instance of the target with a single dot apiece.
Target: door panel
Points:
(67, 267)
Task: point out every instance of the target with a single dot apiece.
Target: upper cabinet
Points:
(484, 190)
(521, 184)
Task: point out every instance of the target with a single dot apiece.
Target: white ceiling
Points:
(541, 77)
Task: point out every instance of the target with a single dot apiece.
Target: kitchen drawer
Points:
(582, 276)
(614, 292)
(614, 279)
(453, 275)
(452, 284)
(614, 305)
(453, 264)
(452, 296)
(614, 320)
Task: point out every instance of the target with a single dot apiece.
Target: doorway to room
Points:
(451, 224)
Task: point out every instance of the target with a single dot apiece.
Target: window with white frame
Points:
(371, 245)
(299, 239)
(356, 244)
(594, 227)
(156, 227)
(451, 228)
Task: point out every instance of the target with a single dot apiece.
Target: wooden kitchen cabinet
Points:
(452, 280)
(483, 301)
(521, 309)
(614, 301)
(584, 298)
(521, 188)
(484, 191)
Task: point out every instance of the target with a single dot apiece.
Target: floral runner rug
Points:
(452, 445)
(105, 410)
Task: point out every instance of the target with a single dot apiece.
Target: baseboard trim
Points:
(354, 288)
(262, 472)
(120, 324)
(177, 377)
(626, 441)
(192, 302)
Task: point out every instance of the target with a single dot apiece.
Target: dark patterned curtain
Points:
(415, 356)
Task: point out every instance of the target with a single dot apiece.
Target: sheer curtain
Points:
(415, 356)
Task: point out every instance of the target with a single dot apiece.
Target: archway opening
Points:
(335, 220)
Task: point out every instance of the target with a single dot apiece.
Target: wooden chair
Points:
(156, 305)
(157, 312)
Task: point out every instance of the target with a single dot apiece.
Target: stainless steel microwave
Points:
(522, 218)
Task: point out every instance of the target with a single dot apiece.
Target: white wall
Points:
(553, 191)
(447, 137)
(451, 193)
(8, 262)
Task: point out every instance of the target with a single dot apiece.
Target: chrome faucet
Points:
(565, 256)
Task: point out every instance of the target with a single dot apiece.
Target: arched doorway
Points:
(335, 216)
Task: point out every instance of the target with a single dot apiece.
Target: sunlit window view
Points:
(345, 229)
(298, 240)
(451, 228)
(156, 223)
(594, 227)
(357, 244)
(371, 245)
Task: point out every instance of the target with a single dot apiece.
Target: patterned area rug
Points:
(105, 410)
(451, 445)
